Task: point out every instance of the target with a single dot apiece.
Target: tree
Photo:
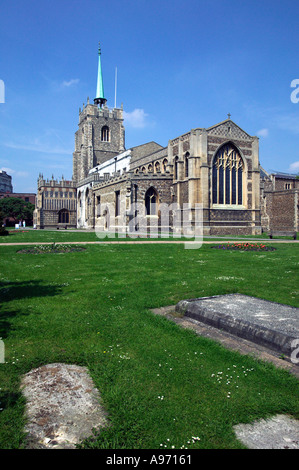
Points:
(2, 229)
(17, 209)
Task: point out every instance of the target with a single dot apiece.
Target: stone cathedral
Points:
(217, 167)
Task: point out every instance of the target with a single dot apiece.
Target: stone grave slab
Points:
(62, 406)
(278, 432)
(273, 325)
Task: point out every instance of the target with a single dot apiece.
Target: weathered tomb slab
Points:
(279, 432)
(62, 406)
(270, 324)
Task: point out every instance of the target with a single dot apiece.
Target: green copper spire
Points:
(100, 85)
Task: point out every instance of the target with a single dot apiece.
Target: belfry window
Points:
(227, 176)
(105, 134)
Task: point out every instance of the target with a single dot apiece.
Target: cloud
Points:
(263, 132)
(275, 117)
(39, 147)
(294, 167)
(136, 118)
(71, 82)
(7, 170)
(10, 171)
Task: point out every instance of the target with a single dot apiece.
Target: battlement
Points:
(54, 183)
(93, 110)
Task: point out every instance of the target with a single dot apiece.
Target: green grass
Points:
(93, 308)
(50, 236)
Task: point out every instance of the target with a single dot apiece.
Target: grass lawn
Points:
(160, 384)
(60, 236)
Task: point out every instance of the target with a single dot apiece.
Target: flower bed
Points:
(244, 247)
(53, 248)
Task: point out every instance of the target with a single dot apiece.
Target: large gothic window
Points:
(227, 176)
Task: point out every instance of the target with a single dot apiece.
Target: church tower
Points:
(101, 133)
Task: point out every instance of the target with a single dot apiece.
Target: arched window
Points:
(164, 164)
(227, 176)
(187, 165)
(157, 167)
(151, 201)
(105, 137)
(87, 204)
(63, 216)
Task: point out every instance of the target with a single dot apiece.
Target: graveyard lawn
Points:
(162, 386)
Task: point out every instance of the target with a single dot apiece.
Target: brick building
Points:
(56, 205)
(279, 201)
(27, 197)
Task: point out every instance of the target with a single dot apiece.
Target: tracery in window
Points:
(227, 176)
(105, 137)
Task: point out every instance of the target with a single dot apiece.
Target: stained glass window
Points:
(227, 176)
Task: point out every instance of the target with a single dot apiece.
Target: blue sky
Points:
(180, 65)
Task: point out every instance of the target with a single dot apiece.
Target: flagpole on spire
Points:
(100, 98)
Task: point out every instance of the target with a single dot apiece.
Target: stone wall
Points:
(90, 148)
(282, 209)
(129, 190)
(52, 197)
(191, 156)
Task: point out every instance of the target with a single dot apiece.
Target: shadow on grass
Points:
(14, 291)
(8, 400)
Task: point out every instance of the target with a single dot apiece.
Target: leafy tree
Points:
(16, 208)
(2, 229)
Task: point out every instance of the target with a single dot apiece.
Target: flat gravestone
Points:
(62, 406)
(270, 324)
(279, 432)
